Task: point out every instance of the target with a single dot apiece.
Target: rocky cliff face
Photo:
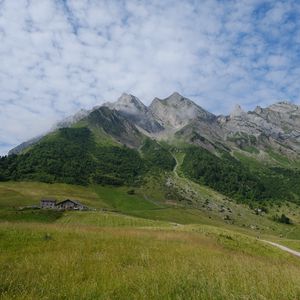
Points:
(69, 121)
(127, 120)
(177, 111)
(115, 125)
(133, 109)
(278, 123)
(276, 126)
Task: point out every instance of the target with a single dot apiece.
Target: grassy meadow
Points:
(132, 247)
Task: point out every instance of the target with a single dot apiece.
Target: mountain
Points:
(128, 121)
(176, 111)
(248, 156)
(139, 114)
(276, 127)
(69, 121)
(25, 145)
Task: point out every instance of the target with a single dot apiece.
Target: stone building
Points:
(48, 203)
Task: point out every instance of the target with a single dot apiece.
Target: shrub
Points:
(282, 219)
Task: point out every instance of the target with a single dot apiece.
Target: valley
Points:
(149, 150)
(131, 247)
(183, 205)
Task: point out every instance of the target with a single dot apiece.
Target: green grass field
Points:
(137, 247)
(55, 262)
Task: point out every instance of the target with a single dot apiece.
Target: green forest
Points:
(230, 177)
(71, 155)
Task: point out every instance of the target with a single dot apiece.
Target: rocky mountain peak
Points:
(164, 118)
(177, 100)
(283, 107)
(68, 121)
(237, 111)
(258, 110)
(132, 108)
(127, 103)
(175, 97)
(177, 111)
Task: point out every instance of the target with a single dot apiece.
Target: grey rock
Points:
(69, 121)
(131, 107)
(177, 111)
(128, 119)
(278, 123)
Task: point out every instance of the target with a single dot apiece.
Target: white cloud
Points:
(58, 56)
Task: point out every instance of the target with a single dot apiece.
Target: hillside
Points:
(158, 227)
(139, 263)
(181, 165)
(248, 156)
(137, 247)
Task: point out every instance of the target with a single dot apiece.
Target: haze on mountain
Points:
(123, 142)
(276, 126)
(150, 149)
(62, 56)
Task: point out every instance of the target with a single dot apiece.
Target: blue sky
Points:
(58, 56)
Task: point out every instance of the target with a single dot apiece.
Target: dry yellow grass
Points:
(88, 262)
(104, 255)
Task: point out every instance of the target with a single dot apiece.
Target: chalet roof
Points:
(74, 201)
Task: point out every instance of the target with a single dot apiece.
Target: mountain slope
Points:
(133, 109)
(249, 156)
(115, 125)
(74, 155)
(277, 126)
(128, 121)
(176, 111)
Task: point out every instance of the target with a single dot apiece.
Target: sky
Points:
(58, 56)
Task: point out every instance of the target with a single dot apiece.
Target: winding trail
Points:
(284, 248)
(176, 166)
(296, 253)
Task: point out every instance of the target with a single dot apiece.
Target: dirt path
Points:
(296, 253)
(176, 166)
(283, 248)
(152, 201)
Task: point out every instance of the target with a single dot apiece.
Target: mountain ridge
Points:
(249, 156)
(276, 126)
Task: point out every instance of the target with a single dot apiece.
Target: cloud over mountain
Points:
(60, 56)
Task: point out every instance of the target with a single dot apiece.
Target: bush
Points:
(131, 192)
(282, 219)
